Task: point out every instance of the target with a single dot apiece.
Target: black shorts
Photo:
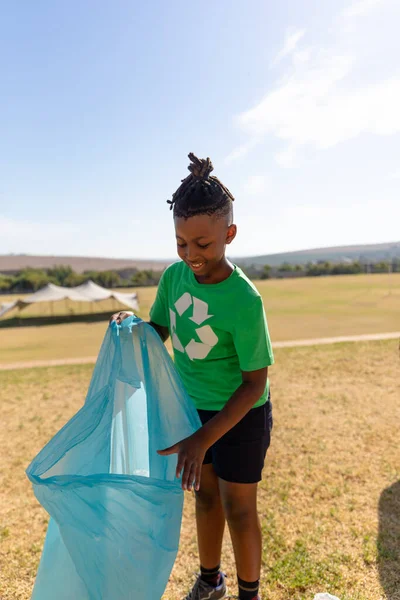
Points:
(239, 456)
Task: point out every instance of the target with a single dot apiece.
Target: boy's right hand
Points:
(120, 316)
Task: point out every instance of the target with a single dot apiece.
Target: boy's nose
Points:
(191, 255)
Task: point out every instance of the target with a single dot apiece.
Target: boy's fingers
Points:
(167, 451)
(192, 477)
(185, 476)
(120, 316)
(180, 466)
(198, 478)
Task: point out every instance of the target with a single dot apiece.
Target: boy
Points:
(222, 351)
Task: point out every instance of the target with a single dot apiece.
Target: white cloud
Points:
(360, 8)
(395, 174)
(314, 110)
(302, 56)
(255, 185)
(287, 157)
(290, 43)
(321, 101)
(241, 151)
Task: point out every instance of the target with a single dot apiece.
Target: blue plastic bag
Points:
(115, 504)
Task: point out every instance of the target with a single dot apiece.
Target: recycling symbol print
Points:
(194, 349)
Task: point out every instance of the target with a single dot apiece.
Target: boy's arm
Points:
(162, 331)
(239, 404)
(191, 451)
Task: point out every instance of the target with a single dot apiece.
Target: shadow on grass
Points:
(56, 320)
(388, 544)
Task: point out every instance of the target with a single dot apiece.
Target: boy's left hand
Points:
(191, 452)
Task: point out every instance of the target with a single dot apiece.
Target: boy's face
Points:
(201, 241)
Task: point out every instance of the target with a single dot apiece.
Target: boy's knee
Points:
(240, 517)
(207, 501)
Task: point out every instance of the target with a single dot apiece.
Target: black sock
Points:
(248, 590)
(211, 576)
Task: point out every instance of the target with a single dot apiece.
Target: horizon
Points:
(158, 259)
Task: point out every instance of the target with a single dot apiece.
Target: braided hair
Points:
(201, 193)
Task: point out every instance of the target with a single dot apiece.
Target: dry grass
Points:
(296, 308)
(330, 499)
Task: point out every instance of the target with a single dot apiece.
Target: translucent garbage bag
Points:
(115, 505)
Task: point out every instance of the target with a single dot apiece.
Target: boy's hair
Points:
(201, 193)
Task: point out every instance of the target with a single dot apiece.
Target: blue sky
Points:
(296, 103)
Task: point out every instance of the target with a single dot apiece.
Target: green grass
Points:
(296, 309)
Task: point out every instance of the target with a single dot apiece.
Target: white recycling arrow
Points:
(201, 349)
(200, 311)
(183, 303)
(207, 336)
(172, 319)
(176, 342)
(197, 350)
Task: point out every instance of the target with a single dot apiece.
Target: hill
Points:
(12, 263)
(364, 253)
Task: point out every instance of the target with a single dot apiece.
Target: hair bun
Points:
(200, 167)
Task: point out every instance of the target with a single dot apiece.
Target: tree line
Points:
(325, 268)
(30, 280)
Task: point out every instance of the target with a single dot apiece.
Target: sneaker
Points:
(204, 591)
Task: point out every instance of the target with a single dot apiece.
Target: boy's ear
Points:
(231, 234)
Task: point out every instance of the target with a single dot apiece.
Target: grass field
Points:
(330, 498)
(296, 309)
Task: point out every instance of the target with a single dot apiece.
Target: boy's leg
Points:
(238, 461)
(239, 501)
(210, 519)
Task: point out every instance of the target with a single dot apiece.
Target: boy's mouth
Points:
(196, 266)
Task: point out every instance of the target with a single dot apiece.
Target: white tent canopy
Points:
(87, 292)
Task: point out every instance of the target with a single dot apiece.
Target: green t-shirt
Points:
(217, 331)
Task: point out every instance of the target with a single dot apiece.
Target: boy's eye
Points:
(181, 245)
(204, 245)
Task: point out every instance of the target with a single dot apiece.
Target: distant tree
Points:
(60, 273)
(108, 279)
(381, 267)
(266, 272)
(396, 265)
(314, 270)
(31, 280)
(6, 282)
(145, 277)
(139, 278)
(75, 279)
(286, 268)
(90, 275)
